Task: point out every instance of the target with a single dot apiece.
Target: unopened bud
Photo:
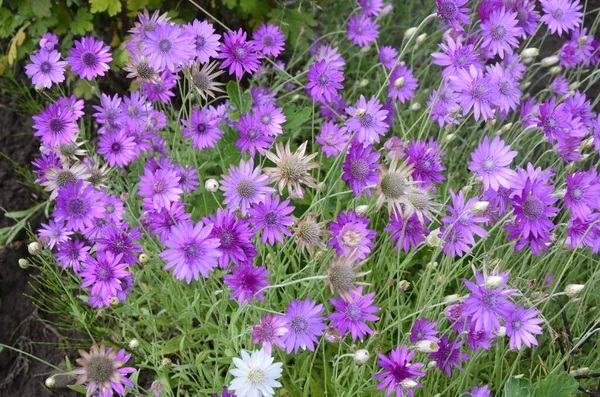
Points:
(493, 282)
(144, 258)
(166, 362)
(403, 285)
(588, 144)
(296, 97)
(410, 32)
(361, 357)
(23, 263)
(363, 83)
(114, 300)
(530, 52)
(399, 82)
(572, 290)
(431, 365)
(449, 137)
(549, 61)
(408, 383)
(362, 210)
(360, 113)
(574, 86)
(211, 185)
(555, 70)
(421, 39)
(34, 248)
(580, 371)
(427, 346)
(415, 107)
(480, 207)
(433, 238)
(467, 188)
(505, 128)
(492, 122)
(50, 382)
(134, 344)
(500, 332)
(582, 40)
(451, 299)
(431, 265)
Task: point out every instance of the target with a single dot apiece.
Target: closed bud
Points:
(134, 344)
(144, 258)
(166, 362)
(362, 210)
(124, 196)
(421, 39)
(480, 207)
(451, 299)
(492, 122)
(403, 285)
(588, 144)
(114, 300)
(467, 188)
(415, 107)
(296, 97)
(526, 84)
(505, 128)
(527, 61)
(549, 61)
(572, 290)
(530, 52)
(500, 332)
(431, 365)
(363, 83)
(449, 137)
(23, 263)
(493, 282)
(555, 70)
(432, 265)
(34, 248)
(399, 82)
(408, 383)
(433, 238)
(580, 371)
(574, 86)
(50, 382)
(427, 346)
(211, 185)
(360, 113)
(361, 357)
(582, 40)
(410, 32)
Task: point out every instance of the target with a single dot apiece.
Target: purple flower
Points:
(205, 40)
(188, 178)
(120, 241)
(397, 369)
(371, 7)
(491, 161)
(246, 282)
(423, 329)
(333, 139)
(561, 15)
(475, 91)
(238, 54)
(78, 205)
(244, 186)
(402, 84)
(73, 105)
(271, 118)
(529, 112)
(89, 58)
(461, 225)
(160, 187)
(455, 56)
(362, 30)
(482, 391)
(162, 221)
(367, 119)
(387, 57)
(448, 355)
(579, 106)
(234, 237)
(500, 32)
(443, 107)
(323, 81)
(191, 251)
(478, 339)
(556, 121)
(268, 39)
(72, 253)
(486, 307)
(203, 128)
(305, 323)
(506, 87)
(352, 315)
(253, 137)
(350, 236)
(109, 110)
(48, 41)
(527, 16)
(409, 233)
(272, 218)
(360, 168)
(168, 47)
(269, 332)
(584, 232)
(134, 108)
(117, 148)
(330, 55)
(334, 108)
(56, 126)
(103, 274)
(46, 68)
(521, 326)
(159, 90)
(583, 190)
(560, 85)
(453, 12)
(425, 157)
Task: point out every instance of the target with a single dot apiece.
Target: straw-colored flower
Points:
(394, 187)
(291, 169)
(202, 79)
(342, 276)
(309, 233)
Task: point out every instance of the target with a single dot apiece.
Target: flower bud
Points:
(431, 365)
(556, 70)
(449, 137)
(560, 193)
(332, 335)
(166, 362)
(410, 32)
(530, 52)
(362, 210)
(427, 346)
(421, 39)
(431, 265)
(211, 185)
(500, 332)
(363, 83)
(480, 207)
(399, 82)
(114, 300)
(157, 387)
(34, 248)
(582, 40)
(403, 285)
(451, 299)
(415, 107)
(574, 85)
(144, 258)
(572, 290)
(467, 188)
(505, 128)
(23, 263)
(549, 61)
(360, 113)
(408, 383)
(361, 357)
(588, 144)
(579, 371)
(134, 344)
(50, 382)
(296, 97)
(492, 122)
(433, 238)
(493, 282)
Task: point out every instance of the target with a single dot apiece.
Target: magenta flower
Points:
(160, 90)
(332, 138)
(191, 251)
(475, 91)
(478, 391)
(455, 56)
(109, 110)
(491, 161)
(253, 137)
(408, 233)
(360, 168)
(532, 208)
(323, 81)
(72, 254)
(506, 87)
(521, 326)
(371, 7)
(46, 68)
(244, 186)
(352, 315)
(272, 218)
(388, 57)
(53, 233)
(333, 109)
(397, 369)
(527, 16)
(425, 157)
(271, 118)
(402, 84)
(120, 241)
(486, 307)
(478, 339)
(239, 54)
(48, 41)
(89, 58)
(583, 190)
(55, 126)
(443, 107)
(500, 32)
(367, 119)
(205, 40)
(561, 15)
(234, 237)
(268, 39)
(103, 274)
(448, 355)
(362, 30)
(160, 187)
(162, 221)
(78, 205)
(423, 329)
(331, 56)
(188, 178)
(168, 47)
(350, 236)
(203, 128)
(117, 148)
(461, 225)
(453, 12)
(269, 332)
(580, 107)
(246, 282)
(305, 323)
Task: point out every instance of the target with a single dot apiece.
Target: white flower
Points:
(255, 375)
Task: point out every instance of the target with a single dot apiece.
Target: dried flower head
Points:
(202, 78)
(395, 186)
(309, 233)
(139, 69)
(342, 276)
(292, 169)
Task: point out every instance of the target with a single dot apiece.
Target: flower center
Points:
(505, 88)
(64, 177)
(359, 169)
(45, 67)
(109, 209)
(226, 237)
(115, 147)
(353, 312)
(309, 232)
(239, 53)
(577, 193)
(256, 376)
(299, 324)
(351, 238)
(200, 42)
(158, 187)
(191, 251)
(558, 14)
(252, 134)
(533, 207)
(323, 79)
(366, 121)
(478, 91)
(104, 272)
(201, 128)
(498, 32)
(265, 119)
(489, 164)
(89, 58)
(77, 206)
(266, 332)
(490, 300)
(144, 70)
(201, 80)
(268, 40)
(516, 325)
(461, 59)
(99, 369)
(165, 45)
(466, 218)
(271, 218)
(447, 9)
(56, 124)
(393, 186)
(246, 188)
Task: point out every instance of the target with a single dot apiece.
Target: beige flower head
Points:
(139, 69)
(202, 78)
(395, 185)
(291, 169)
(309, 233)
(342, 276)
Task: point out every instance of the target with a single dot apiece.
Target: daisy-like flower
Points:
(103, 274)
(119, 240)
(485, 307)
(55, 126)
(291, 169)
(57, 177)
(506, 87)
(350, 236)
(102, 371)
(191, 251)
(360, 168)
(72, 254)
(269, 332)
(532, 207)
(206, 42)
(255, 374)
(117, 148)
(160, 90)
(500, 32)
(234, 237)
(425, 157)
(139, 68)
(147, 23)
(48, 41)
(89, 58)
(394, 186)
(244, 186)
(443, 107)
(238, 54)
(352, 315)
(461, 225)
(333, 109)
(399, 376)
(455, 56)
(160, 187)
(331, 55)
(203, 128)
(268, 39)
(46, 68)
(53, 233)
(423, 329)
(521, 326)
(371, 7)
(162, 221)
(582, 194)
(78, 205)
(168, 46)
(305, 324)
(479, 391)
(253, 137)
(342, 276)
(448, 355)
(557, 122)
(388, 57)
(272, 218)
(475, 91)
(332, 138)
(246, 281)
(367, 119)
(579, 106)
(453, 12)
(271, 118)
(202, 79)
(402, 84)
(323, 81)
(408, 233)
(109, 109)
(309, 233)
(561, 15)
(362, 30)
(491, 161)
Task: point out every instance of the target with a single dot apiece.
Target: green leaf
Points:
(234, 91)
(518, 387)
(133, 6)
(556, 385)
(113, 7)
(8, 23)
(79, 389)
(230, 3)
(83, 89)
(295, 118)
(82, 22)
(172, 346)
(41, 8)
